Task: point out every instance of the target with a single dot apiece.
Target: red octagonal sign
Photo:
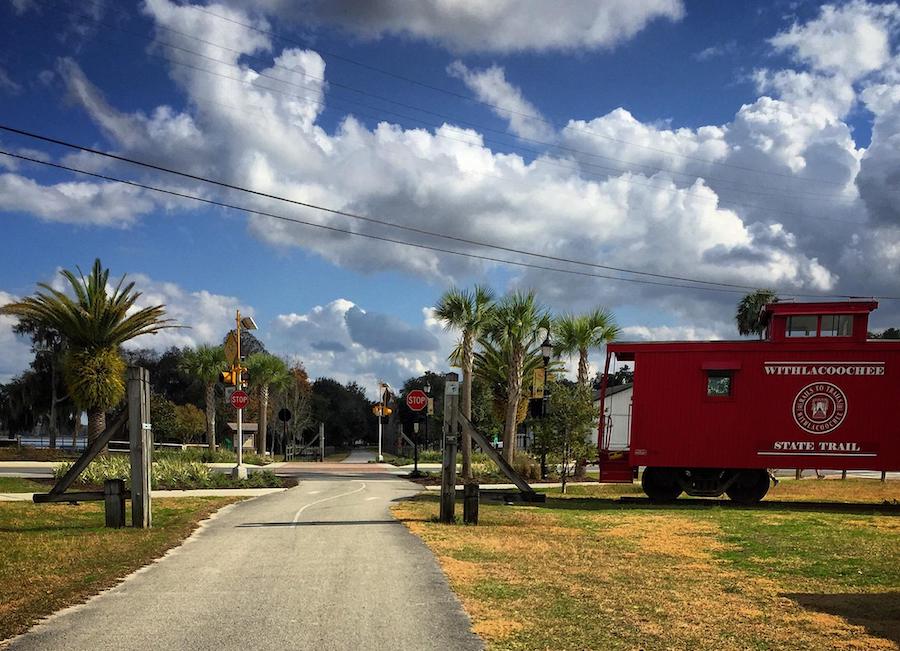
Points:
(416, 400)
(239, 399)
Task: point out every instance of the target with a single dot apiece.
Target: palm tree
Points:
(578, 334)
(469, 312)
(265, 370)
(94, 324)
(515, 328)
(491, 369)
(750, 317)
(204, 363)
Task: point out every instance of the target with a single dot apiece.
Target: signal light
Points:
(237, 375)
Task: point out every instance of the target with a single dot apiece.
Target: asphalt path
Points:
(321, 566)
(360, 455)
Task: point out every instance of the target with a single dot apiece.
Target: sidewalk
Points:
(199, 492)
(486, 487)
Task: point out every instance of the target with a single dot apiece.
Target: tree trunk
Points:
(263, 418)
(565, 467)
(468, 361)
(582, 367)
(211, 416)
(581, 462)
(513, 395)
(54, 412)
(96, 424)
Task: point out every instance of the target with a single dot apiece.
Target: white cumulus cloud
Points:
(487, 25)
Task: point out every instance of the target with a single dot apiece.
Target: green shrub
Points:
(170, 471)
(99, 470)
(436, 456)
(525, 465)
(203, 455)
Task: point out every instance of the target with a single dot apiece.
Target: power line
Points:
(721, 287)
(417, 245)
(343, 213)
(626, 165)
(578, 168)
(471, 98)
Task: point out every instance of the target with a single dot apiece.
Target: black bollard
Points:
(114, 502)
(470, 504)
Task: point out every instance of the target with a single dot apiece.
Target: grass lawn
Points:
(22, 485)
(36, 454)
(587, 571)
(55, 555)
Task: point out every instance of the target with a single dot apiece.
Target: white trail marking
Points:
(326, 499)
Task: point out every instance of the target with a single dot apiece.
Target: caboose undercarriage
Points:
(740, 485)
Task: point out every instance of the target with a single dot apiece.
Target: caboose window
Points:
(718, 383)
(837, 325)
(802, 325)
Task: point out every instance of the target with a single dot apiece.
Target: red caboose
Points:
(711, 417)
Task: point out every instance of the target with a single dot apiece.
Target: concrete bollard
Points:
(470, 503)
(114, 502)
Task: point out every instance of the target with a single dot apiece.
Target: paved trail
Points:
(322, 566)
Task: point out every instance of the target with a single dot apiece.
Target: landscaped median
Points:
(592, 571)
(171, 473)
(55, 555)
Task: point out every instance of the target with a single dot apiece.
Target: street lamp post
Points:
(427, 389)
(546, 353)
(382, 392)
(240, 472)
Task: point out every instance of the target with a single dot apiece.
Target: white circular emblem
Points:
(820, 407)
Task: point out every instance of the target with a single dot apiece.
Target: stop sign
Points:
(239, 399)
(416, 400)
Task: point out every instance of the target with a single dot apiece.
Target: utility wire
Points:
(544, 161)
(344, 213)
(720, 287)
(625, 165)
(345, 231)
(473, 99)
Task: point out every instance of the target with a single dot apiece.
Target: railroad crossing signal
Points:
(237, 375)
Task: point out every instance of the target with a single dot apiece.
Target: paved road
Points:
(321, 566)
(360, 456)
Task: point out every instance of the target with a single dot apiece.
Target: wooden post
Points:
(884, 476)
(843, 474)
(448, 470)
(322, 442)
(114, 503)
(798, 473)
(470, 503)
(140, 437)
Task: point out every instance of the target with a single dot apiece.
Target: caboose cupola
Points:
(812, 322)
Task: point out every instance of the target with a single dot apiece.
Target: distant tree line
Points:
(78, 337)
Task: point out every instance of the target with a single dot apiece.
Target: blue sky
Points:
(730, 142)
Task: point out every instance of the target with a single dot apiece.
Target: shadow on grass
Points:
(316, 523)
(637, 504)
(87, 526)
(878, 613)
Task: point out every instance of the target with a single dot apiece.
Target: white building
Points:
(617, 408)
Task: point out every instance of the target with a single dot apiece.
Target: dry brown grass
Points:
(833, 489)
(613, 577)
(56, 555)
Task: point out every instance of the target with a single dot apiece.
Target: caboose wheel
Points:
(750, 487)
(660, 485)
